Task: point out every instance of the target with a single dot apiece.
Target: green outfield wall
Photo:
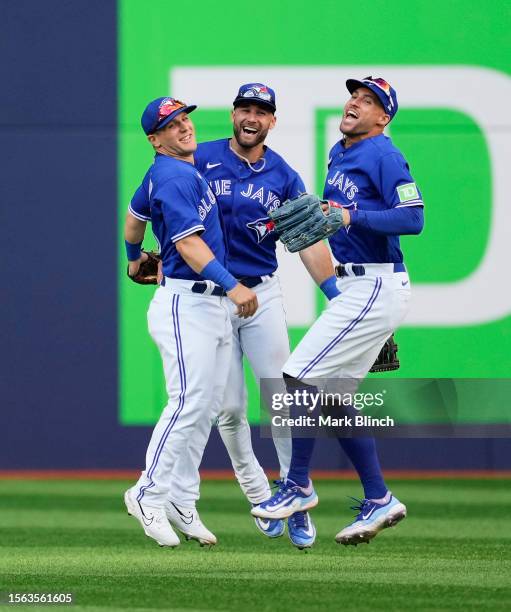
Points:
(451, 66)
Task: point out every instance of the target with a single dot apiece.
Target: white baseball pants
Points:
(194, 335)
(263, 339)
(349, 334)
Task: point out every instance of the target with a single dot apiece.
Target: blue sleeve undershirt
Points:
(392, 222)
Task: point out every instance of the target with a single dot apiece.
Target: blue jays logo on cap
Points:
(258, 93)
(384, 91)
(161, 111)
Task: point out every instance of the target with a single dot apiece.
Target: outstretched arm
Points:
(397, 221)
(318, 261)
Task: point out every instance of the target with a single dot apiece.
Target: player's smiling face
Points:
(251, 124)
(176, 139)
(363, 116)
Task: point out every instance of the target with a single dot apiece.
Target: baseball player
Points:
(370, 293)
(249, 180)
(189, 318)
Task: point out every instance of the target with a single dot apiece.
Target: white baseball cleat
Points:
(371, 519)
(188, 522)
(271, 529)
(301, 530)
(288, 499)
(153, 521)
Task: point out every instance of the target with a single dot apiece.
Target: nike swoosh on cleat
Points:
(404, 283)
(279, 505)
(366, 516)
(309, 531)
(209, 165)
(144, 517)
(264, 524)
(183, 516)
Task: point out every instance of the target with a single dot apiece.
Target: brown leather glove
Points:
(148, 272)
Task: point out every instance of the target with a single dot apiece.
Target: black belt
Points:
(359, 270)
(252, 281)
(248, 281)
(201, 287)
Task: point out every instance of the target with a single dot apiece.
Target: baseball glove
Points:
(387, 359)
(301, 222)
(148, 272)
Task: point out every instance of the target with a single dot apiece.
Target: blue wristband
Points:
(214, 271)
(133, 251)
(329, 287)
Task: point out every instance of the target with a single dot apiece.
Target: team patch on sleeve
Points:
(407, 192)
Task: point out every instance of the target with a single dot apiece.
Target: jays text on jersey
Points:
(370, 175)
(245, 198)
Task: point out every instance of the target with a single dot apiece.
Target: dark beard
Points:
(238, 133)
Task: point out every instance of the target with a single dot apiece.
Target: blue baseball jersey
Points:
(370, 175)
(178, 201)
(245, 198)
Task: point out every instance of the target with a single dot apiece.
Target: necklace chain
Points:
(248, 162)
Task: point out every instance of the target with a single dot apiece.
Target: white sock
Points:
(309, 489)
(383, 500)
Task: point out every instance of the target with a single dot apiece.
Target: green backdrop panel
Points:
(445, 148)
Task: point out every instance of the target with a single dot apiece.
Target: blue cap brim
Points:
(185, 109)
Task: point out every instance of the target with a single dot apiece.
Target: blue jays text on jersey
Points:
(370, 175)
(179, 203)
(245, 198)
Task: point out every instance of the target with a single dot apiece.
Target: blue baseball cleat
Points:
(301, 530)
(288, 499)
(271, 528)
(370, 520)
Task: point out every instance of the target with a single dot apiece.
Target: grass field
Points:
(453, 552)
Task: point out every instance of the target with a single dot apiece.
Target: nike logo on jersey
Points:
(186, 518)
(262, 227)
(209, 165)
(404, 283)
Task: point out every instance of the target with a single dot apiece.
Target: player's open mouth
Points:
(186, 139)
(249, 131)
(352, 114)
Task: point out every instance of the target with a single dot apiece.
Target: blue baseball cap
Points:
(161, 111)
(256, 93)
(383, 91)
